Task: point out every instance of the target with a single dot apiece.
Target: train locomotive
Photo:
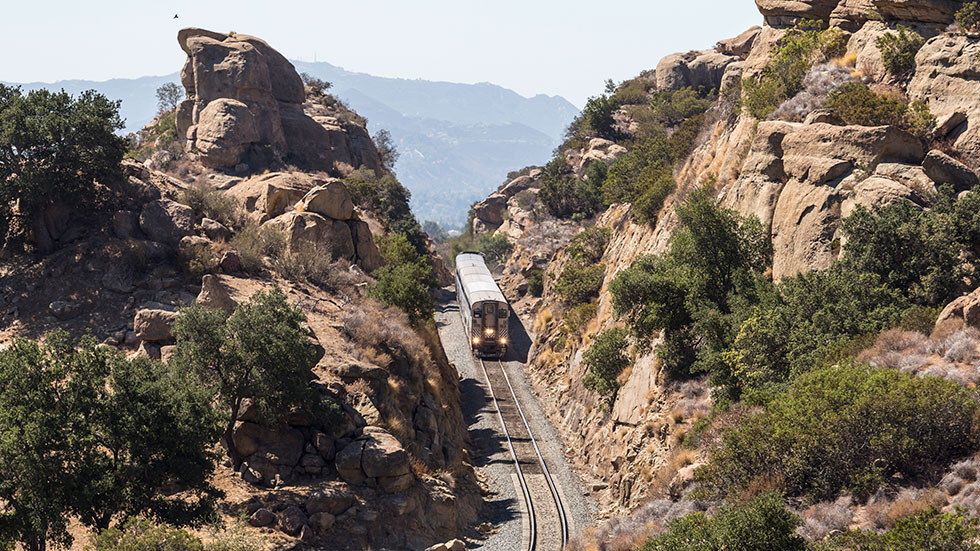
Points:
(483, 307)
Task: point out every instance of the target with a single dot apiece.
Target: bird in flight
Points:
(175, 16)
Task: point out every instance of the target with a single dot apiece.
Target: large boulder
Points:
(245, 106)
(946, 170)
(279, 445)
(166, 221)
(783, 13)
(310, 229)
(965, 309)
(851, 14)
(226, 131)
(741, 45)
(948, 79)
(692, 69)
(368, 255)
(331, 199)
(154, 325)
(270, 195)
(214, 295)
(491, 210)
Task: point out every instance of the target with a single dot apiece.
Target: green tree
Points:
(261, 351)
(386, 149)
(693, 292)
(579, 283)
(86, 433)
(389, 200)
(564, 195)
(495, 247)
(605, 360)
(168, 97)
(598, 114)
(55, 148)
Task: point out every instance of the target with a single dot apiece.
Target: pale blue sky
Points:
(553, 47)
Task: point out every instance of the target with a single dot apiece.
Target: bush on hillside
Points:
(212, 203)
(406, 279)
(261, 351)
(604, 361)
(589, 245)
(564, 195)
(494, 246)
(968, 17)
(762, 524)
(579, 283)
(850, 427)
(388, 199)
(142, 534)
(799, 49)
(535, 283)
(56, 149)
(673, 108)
(928, 530)
(692, 293)
(898, 50)
(855, 103)
(169, 97)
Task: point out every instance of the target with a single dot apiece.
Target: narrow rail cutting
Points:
(485, 312)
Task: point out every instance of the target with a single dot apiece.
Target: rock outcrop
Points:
(245, 110)
(851, 14)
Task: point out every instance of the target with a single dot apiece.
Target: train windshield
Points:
(489, 308)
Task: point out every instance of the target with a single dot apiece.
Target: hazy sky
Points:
(566, 47)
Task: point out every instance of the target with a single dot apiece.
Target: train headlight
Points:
(503, 340)
(476, 340)
(489, 331)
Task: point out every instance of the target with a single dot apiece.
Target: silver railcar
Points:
(483, 307)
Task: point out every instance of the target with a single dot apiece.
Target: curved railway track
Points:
(540, 494)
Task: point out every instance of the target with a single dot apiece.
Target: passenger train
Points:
(483, 307)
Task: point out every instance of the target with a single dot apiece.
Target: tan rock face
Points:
(271, 195)
(947, 77)
(741, 45)
(333, 236)
(154, 325)
(331, 199)
(788, 12)
(245, 106)
(692, 69)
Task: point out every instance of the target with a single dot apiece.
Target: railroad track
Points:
(541, 497)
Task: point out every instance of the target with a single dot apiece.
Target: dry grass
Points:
(826, 517)
(950, 352)
(882, 512)
(629, 533)
(960, 346)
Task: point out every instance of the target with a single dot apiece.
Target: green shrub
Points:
(855, 103)
(898, 50)
(968, 17)
(673, 108)
(631, 174)
(535, 282)
(142, 534)
(647, 206)
(690, 292)
(849, 427)
(791, 58)
(924, 531)
(605, 360)
(564, 195)
(681, 142)
(261, 351)
(494, 246)
(406, 286)
(598, 117)
(633, 92)
(389, 200)
(589, 245)
(578, 283)
(762, 524)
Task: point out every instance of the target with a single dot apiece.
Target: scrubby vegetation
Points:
(388, 199)
(405, 280)
(898, 50)
(855, 103)
(564, 195)
(968, 17)
(579, 283)
(802, 47)
(850, 428)
(605, 360)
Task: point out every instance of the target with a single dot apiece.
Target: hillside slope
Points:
(705, 125)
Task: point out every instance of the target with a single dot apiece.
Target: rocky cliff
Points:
(245, 110)
(392, 445)
(800, 172)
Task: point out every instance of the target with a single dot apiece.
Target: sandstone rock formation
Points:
(244, 110)
(692, 69)
(851, 14)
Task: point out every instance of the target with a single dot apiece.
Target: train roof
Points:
(477, 282)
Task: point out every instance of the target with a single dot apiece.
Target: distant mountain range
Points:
(457, 141)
